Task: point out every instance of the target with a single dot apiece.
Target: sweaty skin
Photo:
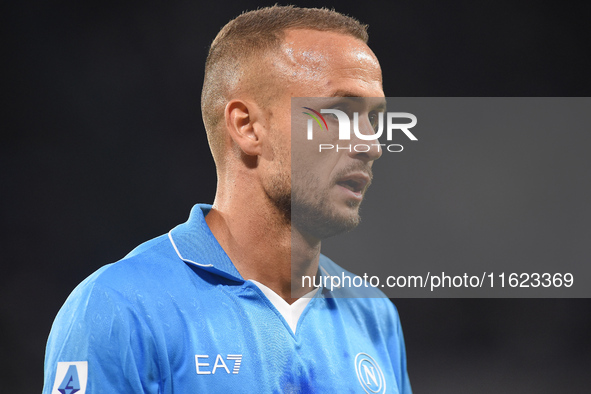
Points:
(249, 212)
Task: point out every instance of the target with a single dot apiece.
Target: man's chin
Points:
(322, 224)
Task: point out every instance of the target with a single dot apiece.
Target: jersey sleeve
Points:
(99, 344)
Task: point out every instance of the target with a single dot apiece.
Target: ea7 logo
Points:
(204, 368)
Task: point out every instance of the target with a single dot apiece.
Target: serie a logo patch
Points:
(70, 378)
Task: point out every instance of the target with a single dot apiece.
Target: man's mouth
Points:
(355, 182)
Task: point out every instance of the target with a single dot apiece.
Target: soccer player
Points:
(211, 306)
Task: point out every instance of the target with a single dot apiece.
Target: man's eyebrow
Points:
(345, 93)
(380, 106)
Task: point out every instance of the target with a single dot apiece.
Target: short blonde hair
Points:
(253, 34)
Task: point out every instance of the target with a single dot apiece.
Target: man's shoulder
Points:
(148, 281)
(186, 260)
(150, 261)
(147, 270)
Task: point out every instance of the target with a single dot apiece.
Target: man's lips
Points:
(355, 182)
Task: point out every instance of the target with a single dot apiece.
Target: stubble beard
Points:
(306, 205)
(304, 201)
(312, 211)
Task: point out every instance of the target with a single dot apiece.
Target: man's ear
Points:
(242, 125)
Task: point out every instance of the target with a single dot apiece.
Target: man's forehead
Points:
(312, 56)
(315, 46)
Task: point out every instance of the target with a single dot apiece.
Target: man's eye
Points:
(333, 116)
(374, 120)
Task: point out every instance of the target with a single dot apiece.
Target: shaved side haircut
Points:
(235, 53)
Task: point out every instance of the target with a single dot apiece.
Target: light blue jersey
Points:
(175, 316)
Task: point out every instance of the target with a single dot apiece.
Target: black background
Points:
(103, 147)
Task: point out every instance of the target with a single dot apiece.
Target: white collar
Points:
(291, 313)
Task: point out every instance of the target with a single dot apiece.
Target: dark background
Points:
(493, 185)
(103, 147)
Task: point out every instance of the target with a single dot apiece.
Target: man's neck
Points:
(259, 240)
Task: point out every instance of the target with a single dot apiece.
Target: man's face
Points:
(326, 187)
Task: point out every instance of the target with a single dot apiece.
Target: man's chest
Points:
(245, 345)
